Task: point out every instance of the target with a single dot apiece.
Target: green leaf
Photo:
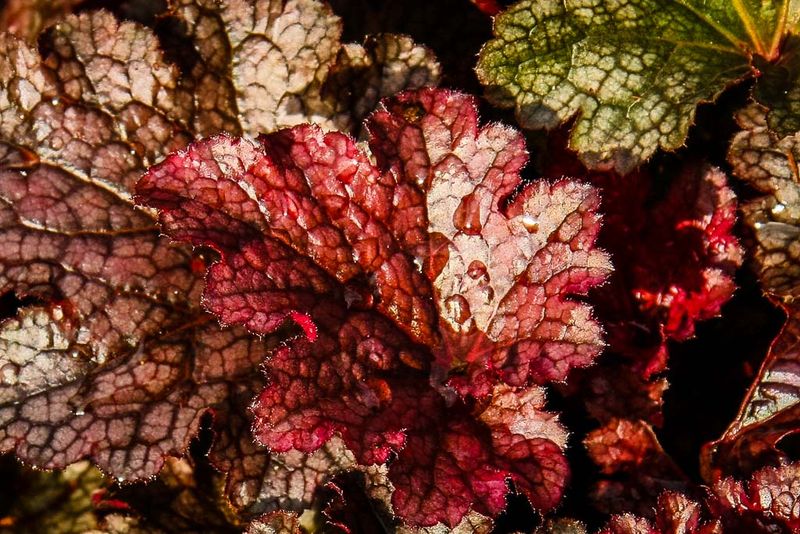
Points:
(778, 89)
(631, 71)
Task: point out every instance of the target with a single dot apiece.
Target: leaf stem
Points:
(719, 29)
(750, 27)
(779, 30)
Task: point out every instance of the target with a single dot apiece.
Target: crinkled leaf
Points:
(636, 468)
(767, 162)
(378, 264)
(769, 411)
(651, 298)
(450, 461)
(632, 72)
(304, 216)
(767, 503)
(261, 65)
(117, 361)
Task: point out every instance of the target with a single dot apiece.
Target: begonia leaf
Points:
(632, 72)
(422, 261)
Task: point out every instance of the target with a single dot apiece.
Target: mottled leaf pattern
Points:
(769, 411)
(767, 162)
(363, 258)
(632, 71)
(115, 360)
(263, 65)
(767, 503)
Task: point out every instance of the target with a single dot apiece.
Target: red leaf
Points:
(651, 298)
(767, 414)
(490, 7)
(423, 260)
(766, 504)
(636, 468)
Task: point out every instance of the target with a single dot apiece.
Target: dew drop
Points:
(758, 225)
(467, 217)
(530, 223)
(477, 271)
(120, 479)
(80, 412)
(457, 309)
(778, 208)
(55, 101)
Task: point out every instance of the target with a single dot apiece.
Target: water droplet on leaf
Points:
(457, 309)
(477, 271)
(530, 223)
(467, 217)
